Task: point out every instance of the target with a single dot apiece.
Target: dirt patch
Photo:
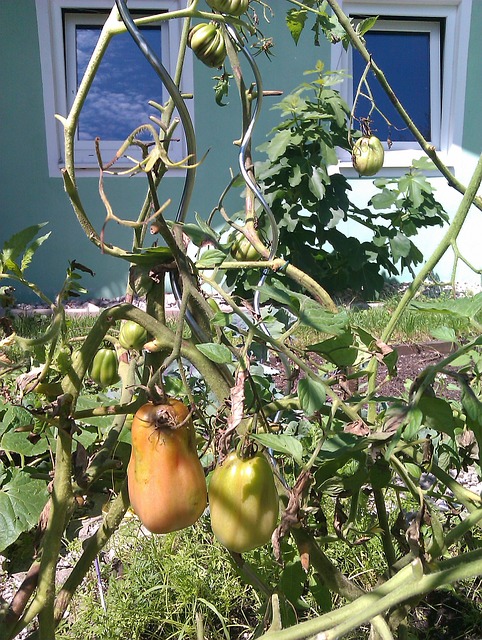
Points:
(412, 360)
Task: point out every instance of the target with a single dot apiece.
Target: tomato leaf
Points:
(281, 443)
(149, 257)
(21, 502)
(295, 21)
(292, 583)
(19, 442)
(437, 415)
(340, 350)
(384, 200)
(312, 395)
(15, 245)
(365, 25)
(279, 143)
(414, 423)
(91, 402)
(400, 246)
(215, 352)
(197, 234)
(312, 314)
(447, 334)
(463, 307)
(316, 185)
(211, 258)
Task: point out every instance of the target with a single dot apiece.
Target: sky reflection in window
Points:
(404, 57)
(118, 100)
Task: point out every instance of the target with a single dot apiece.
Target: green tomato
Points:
(104, 367)
(243, 502)
(132, 335)
(230, 7)
(207, 42)
(51, 390)
(64, 358)
(243, 250)
(368, 155)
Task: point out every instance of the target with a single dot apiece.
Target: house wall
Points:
(28, 195)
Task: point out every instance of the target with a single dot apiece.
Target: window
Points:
(118, 99)
(423, 54)
(420, 43)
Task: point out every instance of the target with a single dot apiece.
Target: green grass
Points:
(182, 585)
(414, 326)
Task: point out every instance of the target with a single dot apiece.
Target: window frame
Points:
(454, 52)
(53, 42)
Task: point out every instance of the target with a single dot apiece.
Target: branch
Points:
(92, 546)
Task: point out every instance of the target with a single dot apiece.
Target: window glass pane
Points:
(404, 57)
(118, 100)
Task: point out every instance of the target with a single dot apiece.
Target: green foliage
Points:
(22, 245)
(22, 499)
(311, 204)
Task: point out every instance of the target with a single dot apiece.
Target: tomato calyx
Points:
(167, 413)
(246, 449)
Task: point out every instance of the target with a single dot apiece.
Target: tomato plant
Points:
(368, 155)
(348, 462)
(243, 502)
(104, 367)
(167, 488)
(132, 335)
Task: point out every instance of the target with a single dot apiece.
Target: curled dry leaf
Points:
(291, 516)
(359, 428)
(237, 400)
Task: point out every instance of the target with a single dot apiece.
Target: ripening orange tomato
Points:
(167, 487)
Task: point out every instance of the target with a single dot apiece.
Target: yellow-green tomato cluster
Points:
(229, 7)
(104, 367)
(207, 42)
(243, 502)
(132, 335)
(368, 155)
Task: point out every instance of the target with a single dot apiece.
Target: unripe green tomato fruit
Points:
(104, 367)
(213, 304)
(51, 390)
(243, 502)
(64, 359)
(207, 42)
(229, 7)
(132, 335)
(367, 155)
(243, 250)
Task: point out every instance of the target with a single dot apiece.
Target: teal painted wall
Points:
(28, 195)
(472, 138)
